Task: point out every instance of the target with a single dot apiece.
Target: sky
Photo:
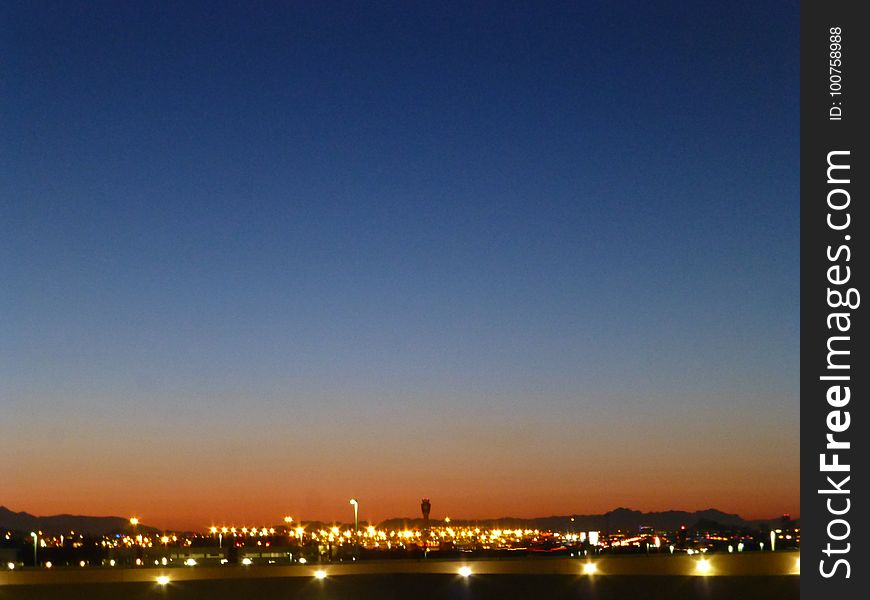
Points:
(521, 258)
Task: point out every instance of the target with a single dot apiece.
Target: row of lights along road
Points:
(702, 567)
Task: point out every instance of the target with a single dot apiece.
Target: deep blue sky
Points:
(357, 233)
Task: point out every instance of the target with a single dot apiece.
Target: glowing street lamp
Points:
(35, 537)
(355, 503)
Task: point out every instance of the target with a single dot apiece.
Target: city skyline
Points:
(526, 260)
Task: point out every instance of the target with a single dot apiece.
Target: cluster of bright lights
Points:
(375, 538)
(370, 536)
(245, 531)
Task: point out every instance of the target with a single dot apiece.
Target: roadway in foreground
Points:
(745, 576)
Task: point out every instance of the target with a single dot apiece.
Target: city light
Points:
(320, 574)
(162, 580)
(134, 521)
(306, 542)
(10, 566)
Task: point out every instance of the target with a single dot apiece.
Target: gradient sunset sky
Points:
(522, 258)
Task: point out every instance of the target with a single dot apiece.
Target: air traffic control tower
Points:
(425, 506)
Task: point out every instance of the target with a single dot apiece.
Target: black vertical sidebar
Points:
(834, 67)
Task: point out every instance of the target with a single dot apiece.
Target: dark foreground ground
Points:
(385, 587)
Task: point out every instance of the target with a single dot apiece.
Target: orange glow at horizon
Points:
(197, 503)
(171, 476)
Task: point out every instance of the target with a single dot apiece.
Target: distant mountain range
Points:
(620, 518)
(55, 524)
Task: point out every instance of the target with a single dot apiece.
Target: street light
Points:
(355, 503)
(35, 537)
(134, 523)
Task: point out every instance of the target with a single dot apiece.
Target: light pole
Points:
(134, 524)
(34, 536)
(355, 503)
